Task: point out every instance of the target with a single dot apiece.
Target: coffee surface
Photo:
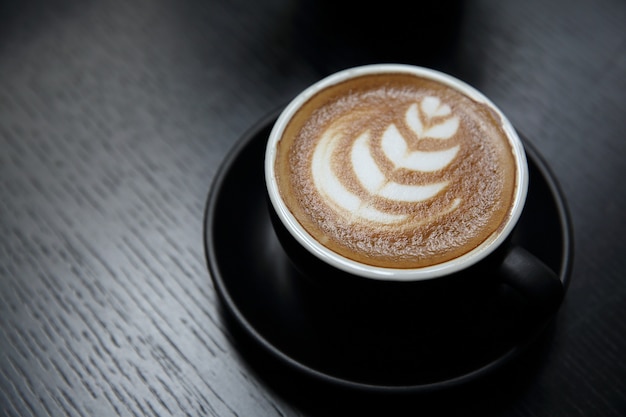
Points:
(396, 170)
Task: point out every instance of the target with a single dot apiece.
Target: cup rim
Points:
(386, 273)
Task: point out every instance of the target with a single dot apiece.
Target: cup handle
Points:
(539, 285)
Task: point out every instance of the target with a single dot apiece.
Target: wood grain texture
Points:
(114, 117)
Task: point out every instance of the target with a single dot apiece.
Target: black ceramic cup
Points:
(444, 294)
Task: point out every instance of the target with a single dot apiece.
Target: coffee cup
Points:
(400, 179)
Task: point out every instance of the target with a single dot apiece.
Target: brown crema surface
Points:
(478, 184)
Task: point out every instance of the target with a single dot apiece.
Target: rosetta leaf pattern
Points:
(427, 119)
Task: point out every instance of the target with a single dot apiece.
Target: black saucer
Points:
(272, 305)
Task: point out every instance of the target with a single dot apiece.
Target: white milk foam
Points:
(396, 172)
(396, 149)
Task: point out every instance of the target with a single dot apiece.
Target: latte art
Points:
(369, 174)
(397, 171)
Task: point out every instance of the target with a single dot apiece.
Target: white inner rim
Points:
(374, 272)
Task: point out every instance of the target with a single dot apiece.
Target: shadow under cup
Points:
(393, 332)
(510, 284)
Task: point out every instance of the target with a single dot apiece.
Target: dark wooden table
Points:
(115, 116)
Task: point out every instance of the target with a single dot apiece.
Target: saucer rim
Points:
(232, 308)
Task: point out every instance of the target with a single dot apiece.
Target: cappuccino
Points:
(396, 170)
